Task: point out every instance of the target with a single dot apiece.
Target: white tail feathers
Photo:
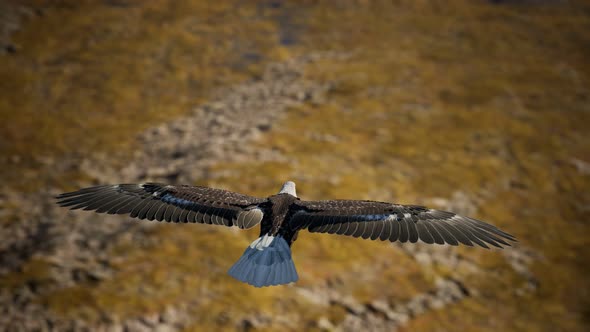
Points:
(266, 262)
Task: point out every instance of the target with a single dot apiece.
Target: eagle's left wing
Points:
(394, 222)
(172, 203)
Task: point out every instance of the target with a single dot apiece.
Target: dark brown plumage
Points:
(268, 260)
(155, 201)
(394, 222)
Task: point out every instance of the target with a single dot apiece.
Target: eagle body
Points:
(273, 223)
(267, 261)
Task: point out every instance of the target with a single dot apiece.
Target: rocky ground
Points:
(76, 245)
(175, 152)
(320, 118)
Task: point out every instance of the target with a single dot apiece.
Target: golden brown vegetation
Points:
(490, 100)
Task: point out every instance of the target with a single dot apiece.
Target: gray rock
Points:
(325, 324)
(350, 304)
(384, 308)
(164, 328)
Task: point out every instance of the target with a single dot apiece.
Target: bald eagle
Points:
(267, 261)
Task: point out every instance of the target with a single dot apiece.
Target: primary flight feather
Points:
(267, 261)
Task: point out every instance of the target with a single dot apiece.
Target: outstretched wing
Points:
(394, 222)
(155, 201)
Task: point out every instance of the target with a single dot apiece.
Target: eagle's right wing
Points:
(394, 222)
(155, 201)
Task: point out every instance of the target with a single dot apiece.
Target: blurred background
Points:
(478, 107)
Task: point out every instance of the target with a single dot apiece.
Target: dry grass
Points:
(110, 72)
(437, 98)
(488, 100)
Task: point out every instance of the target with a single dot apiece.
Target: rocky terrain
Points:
(175, 152)
(76, 246)
(344, 118)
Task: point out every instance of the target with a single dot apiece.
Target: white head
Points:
(288, 188)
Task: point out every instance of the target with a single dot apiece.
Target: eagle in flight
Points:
(267, 261)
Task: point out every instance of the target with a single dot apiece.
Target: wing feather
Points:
(207, 215)
(176, 214)
(377, 230)
(404, 234)
(474, 238)
(168, 213)
(182, 216)
(159, 216)
(437, 237)
(143, 213)
(128, 207)
(353, 227)
(191, 216)
(200, 217)
(424, 233)
(344, 228)
(449, 238)
(98, 202)
(395, 230)
(412, 230)
(151, 213)
(114, 206)
(386, 231)
(457, 233)
(360, 230)
(135, 212)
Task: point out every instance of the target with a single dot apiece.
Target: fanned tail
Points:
(266, 262)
